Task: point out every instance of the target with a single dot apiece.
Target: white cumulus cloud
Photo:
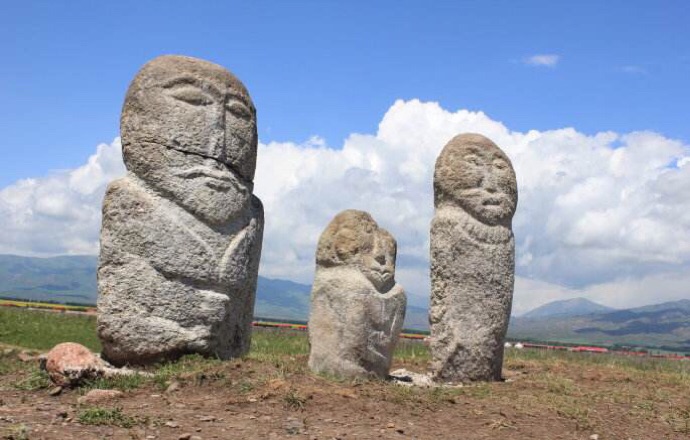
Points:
(603, 216)
(548, 60)
(59, 213)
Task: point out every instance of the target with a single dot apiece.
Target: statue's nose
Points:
(489, 182)
(216, 139)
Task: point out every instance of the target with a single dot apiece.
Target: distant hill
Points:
(665, 325)
(282, 299)
(61, 279)
(568, 307)
(72, 279)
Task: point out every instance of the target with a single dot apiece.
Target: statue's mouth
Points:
(222, 177)
(214, 178)
(491, 202)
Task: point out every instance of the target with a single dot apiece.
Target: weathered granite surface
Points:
(181, 233)
(472, 259)
(357, 309)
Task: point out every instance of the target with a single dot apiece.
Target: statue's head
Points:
(188, 130)
(354, 239)
(474, 174)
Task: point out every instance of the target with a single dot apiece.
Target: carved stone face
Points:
(354, 239)
(473, 173)
(189, 130)
(378, 265)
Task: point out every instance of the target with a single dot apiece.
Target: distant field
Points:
(46, 305)
(21, 324)
(42, 330)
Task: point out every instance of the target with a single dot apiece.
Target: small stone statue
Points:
(357, 309)
(181, 234)
(472, 259)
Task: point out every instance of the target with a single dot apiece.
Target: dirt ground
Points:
(278, 398)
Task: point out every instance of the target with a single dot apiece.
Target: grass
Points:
(272, 344)
(15, 432)
(43, 330)
(575, 387)
(35, 379)
(9, 363)
(514, 357)
(412, 351)
(294, 400)
(106, 416)
(122, 383)
(192, 368)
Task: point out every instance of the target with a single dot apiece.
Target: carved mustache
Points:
(202, 171)
(220, 180)
(488, 198)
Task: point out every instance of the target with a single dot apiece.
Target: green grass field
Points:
(42, 330)
(586, 390)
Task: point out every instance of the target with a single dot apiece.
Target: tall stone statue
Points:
(357, 308)
(472, 259)
(181, 234)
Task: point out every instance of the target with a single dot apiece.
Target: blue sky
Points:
(355, 100)
(333, 68)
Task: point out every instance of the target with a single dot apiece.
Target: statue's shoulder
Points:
(447, 216)
(124, 188)
(126, 197)
(343, 280)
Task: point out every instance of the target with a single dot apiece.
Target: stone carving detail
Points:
(472, 259)
(357, 308)
(181, 234)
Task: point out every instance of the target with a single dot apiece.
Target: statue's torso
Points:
(472, 276)
(137, 222)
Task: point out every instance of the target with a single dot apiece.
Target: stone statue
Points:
(181, 234)
(472, 259)
(357, 308)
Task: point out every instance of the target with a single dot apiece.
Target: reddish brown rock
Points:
(69, 363)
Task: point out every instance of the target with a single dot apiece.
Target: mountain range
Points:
(72, 279)
(665, 326)
(565, 308)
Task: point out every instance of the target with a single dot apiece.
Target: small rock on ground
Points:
(411, 379)
(97, 396)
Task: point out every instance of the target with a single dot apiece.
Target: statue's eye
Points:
(472, 159)
(191, 95)
(238, 110)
